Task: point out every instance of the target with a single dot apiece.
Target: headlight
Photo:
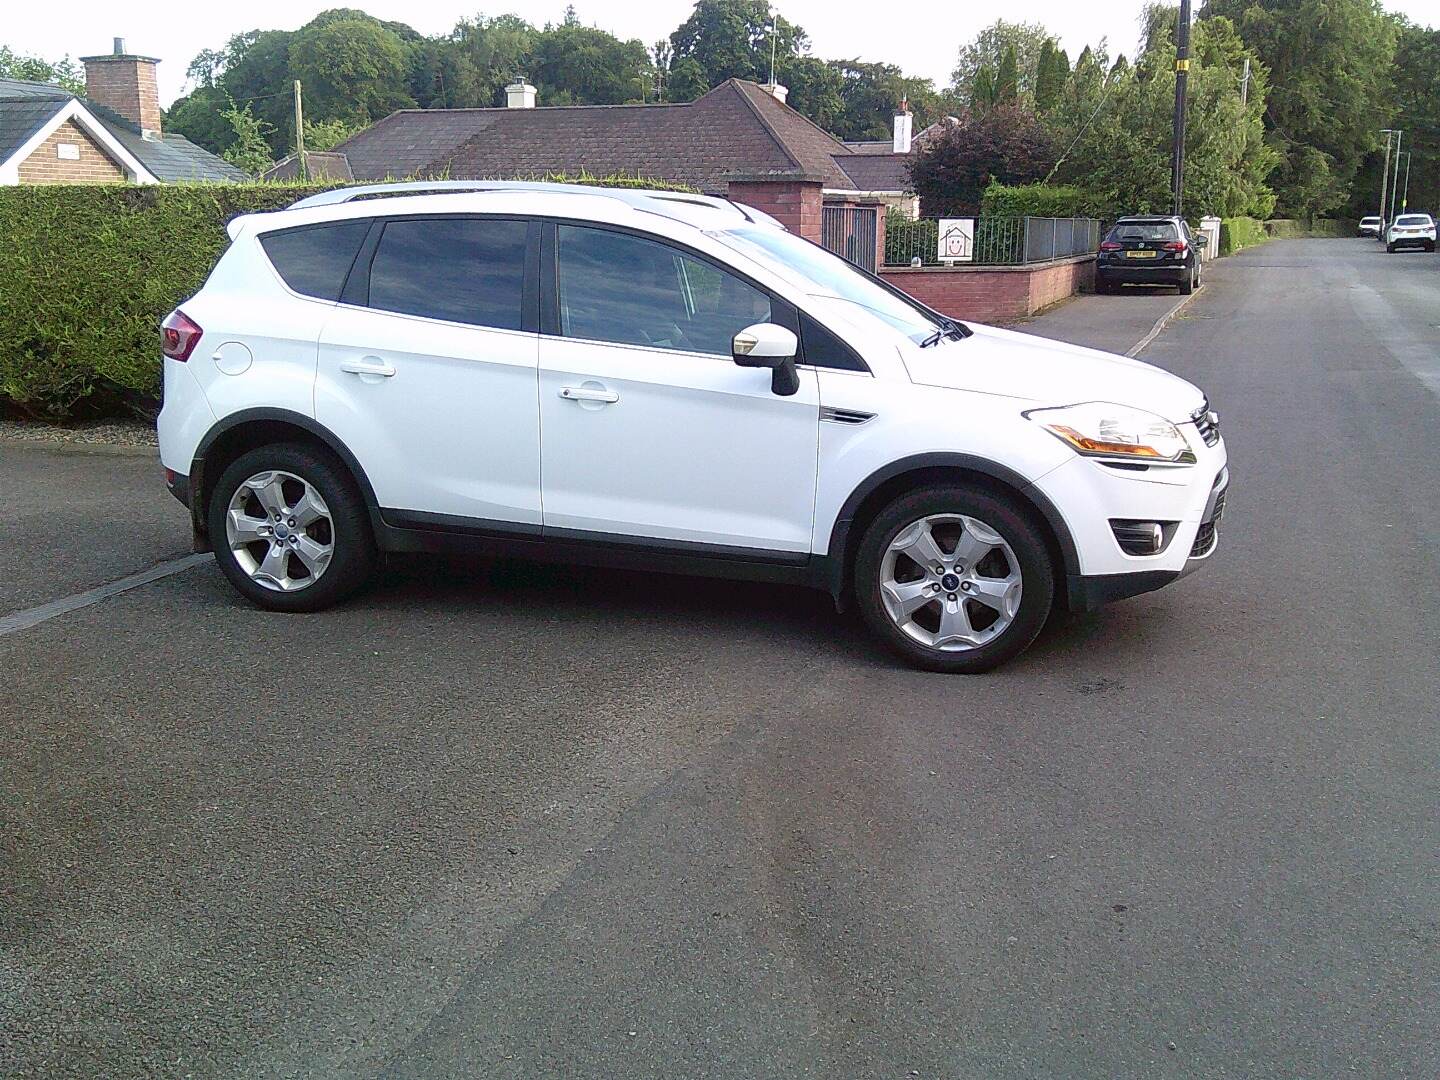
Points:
(1100, 429)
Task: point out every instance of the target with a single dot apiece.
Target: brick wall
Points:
(795, 204)
(127, 85)
(994, 294)
(45, 166)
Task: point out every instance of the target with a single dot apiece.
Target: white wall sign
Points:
(956, 240)
(66, 151)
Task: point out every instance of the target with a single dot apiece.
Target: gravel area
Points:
(137, 433)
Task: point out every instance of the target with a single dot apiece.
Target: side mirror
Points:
(765, 345)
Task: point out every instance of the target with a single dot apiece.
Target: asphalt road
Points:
(498, 820)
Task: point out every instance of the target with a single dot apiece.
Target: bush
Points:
(1042, 200)
(88, 271)
(1240, 232)
(1292, 229)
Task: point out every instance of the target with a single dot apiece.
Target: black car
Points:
(1148, 251)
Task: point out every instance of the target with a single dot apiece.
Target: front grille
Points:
(1207, 423)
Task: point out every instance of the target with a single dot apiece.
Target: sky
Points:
(924, 42)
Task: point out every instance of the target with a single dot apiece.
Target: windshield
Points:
(1143, 230)
(1413, 219)
(826, 274)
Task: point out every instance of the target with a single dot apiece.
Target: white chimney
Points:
(775, 90)
(520, 95)
(903, 122)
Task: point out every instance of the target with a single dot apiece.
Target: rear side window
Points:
(469, 270)
(1144, 230)
(315, 259)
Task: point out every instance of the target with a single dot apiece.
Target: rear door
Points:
(427, 369)
(650, 428)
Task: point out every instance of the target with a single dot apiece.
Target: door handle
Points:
(588, 393)
(367, 367)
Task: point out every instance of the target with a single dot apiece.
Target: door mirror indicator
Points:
(765, 345)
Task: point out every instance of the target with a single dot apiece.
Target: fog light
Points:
(1139, 537)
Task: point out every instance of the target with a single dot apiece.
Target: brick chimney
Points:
(125, 83)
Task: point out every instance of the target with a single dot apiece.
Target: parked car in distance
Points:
(1411, 231)
(670, 383)
(1369, 226)
(1148, 251)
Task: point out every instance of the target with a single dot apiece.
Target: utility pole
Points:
(1395, 179)
(300, 135)
(1405, 194)
(1245, 84)
(1385, 176)
(1182, 70)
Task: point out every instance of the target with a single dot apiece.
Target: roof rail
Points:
(640, 198)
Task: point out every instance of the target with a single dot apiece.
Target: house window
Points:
(66, 151)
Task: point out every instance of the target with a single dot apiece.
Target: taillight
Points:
(179, 334)
(1110, 245)
(1174, 245)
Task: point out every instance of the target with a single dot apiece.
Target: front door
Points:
(649, 429)
(430, 378)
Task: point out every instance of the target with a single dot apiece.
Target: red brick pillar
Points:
(794, 202)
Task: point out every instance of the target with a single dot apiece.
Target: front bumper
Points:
(1189, 502)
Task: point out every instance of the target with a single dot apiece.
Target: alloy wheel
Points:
(280, 531)
(950, 582)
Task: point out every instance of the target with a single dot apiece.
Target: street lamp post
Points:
(1395, 180)
(1405, 191)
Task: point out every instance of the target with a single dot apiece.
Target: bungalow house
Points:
(740, 140)
(111, 135)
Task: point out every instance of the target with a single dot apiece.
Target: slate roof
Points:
(321, 164)
(878, 172)
(26, 106)
(735, 129)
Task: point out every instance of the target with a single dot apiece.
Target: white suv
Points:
(1411, 230)
(667, 382)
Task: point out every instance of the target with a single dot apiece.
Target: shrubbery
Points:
(1043, 200)
(88, 271)
(1293, 229)
(1240, 232)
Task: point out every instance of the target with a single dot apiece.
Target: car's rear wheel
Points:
(290, 529)
(954, 579)
(1103, 287)
(1390, 248)
(1187, 286)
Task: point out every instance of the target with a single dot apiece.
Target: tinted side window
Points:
(314, 260)
(626, 289)
(469, 270)
(823, 349)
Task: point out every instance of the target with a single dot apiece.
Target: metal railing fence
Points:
(999, 241)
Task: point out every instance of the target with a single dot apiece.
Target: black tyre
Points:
(289, 528)
(1186, 287)
(1103, 287)
(954, 579)
(1390, 248)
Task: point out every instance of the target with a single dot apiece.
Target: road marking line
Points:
(1162, 322)
(24, 620)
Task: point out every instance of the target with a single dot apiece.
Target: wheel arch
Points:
(246, 430)
(889, 482)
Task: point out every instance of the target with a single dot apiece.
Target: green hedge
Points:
(88, 271)
(1291, 229)
(86, 274)
(1041, 200)
(1240, 232)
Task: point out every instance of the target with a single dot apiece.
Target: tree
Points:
(351, 69)
(730, 39)
(987, 52)
(63, 72)
(1052, 69)
(870, 94)
(1005, 144)
(1417, 98)
(581, 65)
(250, 148)
(1330, 64)
(1007, 78)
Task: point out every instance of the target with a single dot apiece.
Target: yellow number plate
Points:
(1140, 254)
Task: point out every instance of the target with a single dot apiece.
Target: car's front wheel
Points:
(290, 529)
(954, 579)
